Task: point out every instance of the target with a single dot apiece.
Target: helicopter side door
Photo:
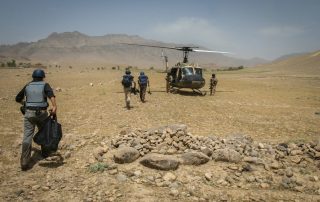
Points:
(173, 74)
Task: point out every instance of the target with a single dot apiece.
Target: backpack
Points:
(127, 81)
(143, 80)
(49, 135)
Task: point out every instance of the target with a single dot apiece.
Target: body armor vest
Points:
(35, 96)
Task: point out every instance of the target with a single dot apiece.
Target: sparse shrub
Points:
(98, 68)
(151, 68)
(12, 63)
(113, 68)
(70, 67)
(3, 65)
(97, 167)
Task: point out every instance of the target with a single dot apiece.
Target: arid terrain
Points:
(269, 106)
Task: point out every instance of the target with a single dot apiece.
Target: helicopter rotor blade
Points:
(185, 49)
(150, 46)
(208, 51)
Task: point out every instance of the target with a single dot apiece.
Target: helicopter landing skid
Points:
(199, 92)
(174, 90)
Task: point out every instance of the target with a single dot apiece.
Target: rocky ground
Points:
(255, 140)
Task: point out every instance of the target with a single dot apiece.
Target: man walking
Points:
(143, 82)
(127, 82)
(35, 94)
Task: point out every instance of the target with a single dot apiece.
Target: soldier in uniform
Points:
(35, 94)
(213, 84)
(127, 83)
(143, 82)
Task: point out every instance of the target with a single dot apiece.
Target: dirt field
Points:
(264, 105)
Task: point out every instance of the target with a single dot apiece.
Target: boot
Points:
(25, 156)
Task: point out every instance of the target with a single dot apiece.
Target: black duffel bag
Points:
(49, 135)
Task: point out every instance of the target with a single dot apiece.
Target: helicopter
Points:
(183, 74)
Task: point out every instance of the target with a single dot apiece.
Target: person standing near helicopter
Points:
(213, 84)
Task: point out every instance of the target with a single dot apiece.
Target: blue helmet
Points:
(128, 71)
(38, 73)
(141, 73)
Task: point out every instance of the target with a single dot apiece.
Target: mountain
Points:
(284, 57)
(307, 63)
(75, 48)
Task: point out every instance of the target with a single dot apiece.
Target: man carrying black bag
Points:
(36, 93)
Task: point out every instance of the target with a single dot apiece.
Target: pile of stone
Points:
(167, 147)
(239, 161)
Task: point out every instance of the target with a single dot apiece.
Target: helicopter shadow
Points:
(188, 93)
(225, 91)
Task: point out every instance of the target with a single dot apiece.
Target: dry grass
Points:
(267, 106)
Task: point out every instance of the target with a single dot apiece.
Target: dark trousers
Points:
(143, 90)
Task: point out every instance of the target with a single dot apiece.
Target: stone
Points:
(176, 127)
(194, 158)
(296, 152)
(264, 185)
(45, 188)
(35, 187)
(260, 146)
(228, 155)
(287, 182)
(289, 172)
(67, 154)
(298, 188)
(126, 155)
(208, 152)
(175, 185)
(246, 168)
(160, 162)
(233, 167)
(250, 159)
(295, 159)
(171, 150)
(137, 173)
(19, 192)
(150, 178)
(169, 177)
(168, 141)
(314, 178)
(121, 177)
(275, 165)
(113, 171)
(208, 176)
(250, 178)
(174, 192)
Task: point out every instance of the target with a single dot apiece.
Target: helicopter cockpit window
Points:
(198, 71)
(187, 71)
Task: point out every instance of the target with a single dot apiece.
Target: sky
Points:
(247, 28)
